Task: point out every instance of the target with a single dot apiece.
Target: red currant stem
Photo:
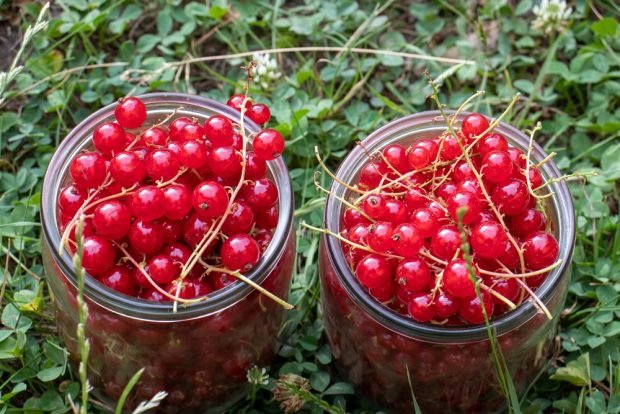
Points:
(438, 283)
(495, 122)
(546, 159)
(577, 176)
(161, 184)
(537, 302)
(193, 259)
(248, 281)
(168, 117)
(332, 175)
(132, 143)
(520, 275)
(80, 212)
(151, 281)
(499, 296)
(345, 240)
(465, 104)
(528, 163)
(342, 200)
(478, 176)
(428, 255)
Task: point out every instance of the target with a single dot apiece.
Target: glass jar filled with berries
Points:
(435, 224)
(186, 214)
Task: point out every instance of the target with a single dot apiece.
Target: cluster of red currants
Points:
(401, 233)
(173, 210)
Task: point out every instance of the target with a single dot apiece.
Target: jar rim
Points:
(137, 308)
(394, 132)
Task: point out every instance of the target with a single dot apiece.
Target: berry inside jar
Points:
(175, 210)
(452, 228)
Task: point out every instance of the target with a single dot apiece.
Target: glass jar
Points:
(451, 369)
(200, 353)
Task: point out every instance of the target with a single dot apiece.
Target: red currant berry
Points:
(263, 238)
(536, 179)
(130, 112)
(466, 200)
(191, 132)
(396, 212)
(445, 305)
(371, 175)
(351, 217)
(162, 269)
(510, 256)
(259, 113)
(236, 101)
(162, 164)
(240, 252)
(240, 220)
(492, 142)
(383, 293)
(413, 274)
(497, 166)
(193, 154)
(374, 206)
(148, 203)
(188, 289)
(474, 125)
(219, 131)
(380, 236)
(507, 287)
(177, 126)
(70, 200)
(210, 199)
(418, 157)
(178, 201)
(172, 230)
(463, 171)
(517, 156)
(194, 229)
(415, 198)
(488, 240)
(446, 242)
(470, 310)
(268, 144)
(373, 271)
(421, 307)
(511, 197)
(98, 255)
(429, 145)
(146, 237)
(220, 280)
(179, 253)
(154, 137)
(88, 170)
(255, 167)
(407, 239)
(527, 222)
(446, 190)
(109, 138)
(456, 280)
(425, 221)
(224, 162)
(119, 278)
(153, 295)
(127, 168)
(449, 149)
(267, 219)
(112, 219)
(395, 156)
(261, 194)
(540, 250)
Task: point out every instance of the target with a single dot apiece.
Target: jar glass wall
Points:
(451, 368)
(200, 353)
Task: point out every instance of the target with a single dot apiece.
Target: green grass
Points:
(93, 52)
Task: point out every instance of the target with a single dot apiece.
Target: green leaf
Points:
(164, 23)
(340, 388)
(605, 27)
(10, 316)
(576, 372)
(50, 374)
(147, 42)
(319, 380)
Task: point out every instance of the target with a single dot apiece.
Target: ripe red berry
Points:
(127, 168)
(464, 200)
(177, 125)
(188, 289)
(474, 125)
(236, 101)
(449, 148)
(492, 142)
(530, 221)
(162, 164)
(517, 156)
(70, 200)
(421, 307)
(130, 112)
(210, 199)
(380, 236)
(446, 242)
(416, 198)
(240, 252)
(146, 237)
(240, 220)
(112, 219)
(497, 167)
(463, 171)
(259, 113)
(370, 175)
(456, 280)
(179, 253)
(178, 201)
(540, 250)
(191, 132)
(373, 271)
(413, 274)
(172, 229)
(511, 197)
(88, 170)
(536, 179)
(224, 162)
(120, 279)
(219, 131)
(267, 219)
(98, 255)
(418, 157)
(429, 145)
(162, 270)
(407, 240)
(147, 203)
(109, 138)
(255, 167)
(261, 194)
(445, 305)
(193, 154)
(488, 240)
(268, 144)
(195, 228)
(425, 221)
(374, 206)
(154, 137)
(395, 156)
(470, 310)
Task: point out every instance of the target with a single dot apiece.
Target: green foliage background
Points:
(96, 51)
